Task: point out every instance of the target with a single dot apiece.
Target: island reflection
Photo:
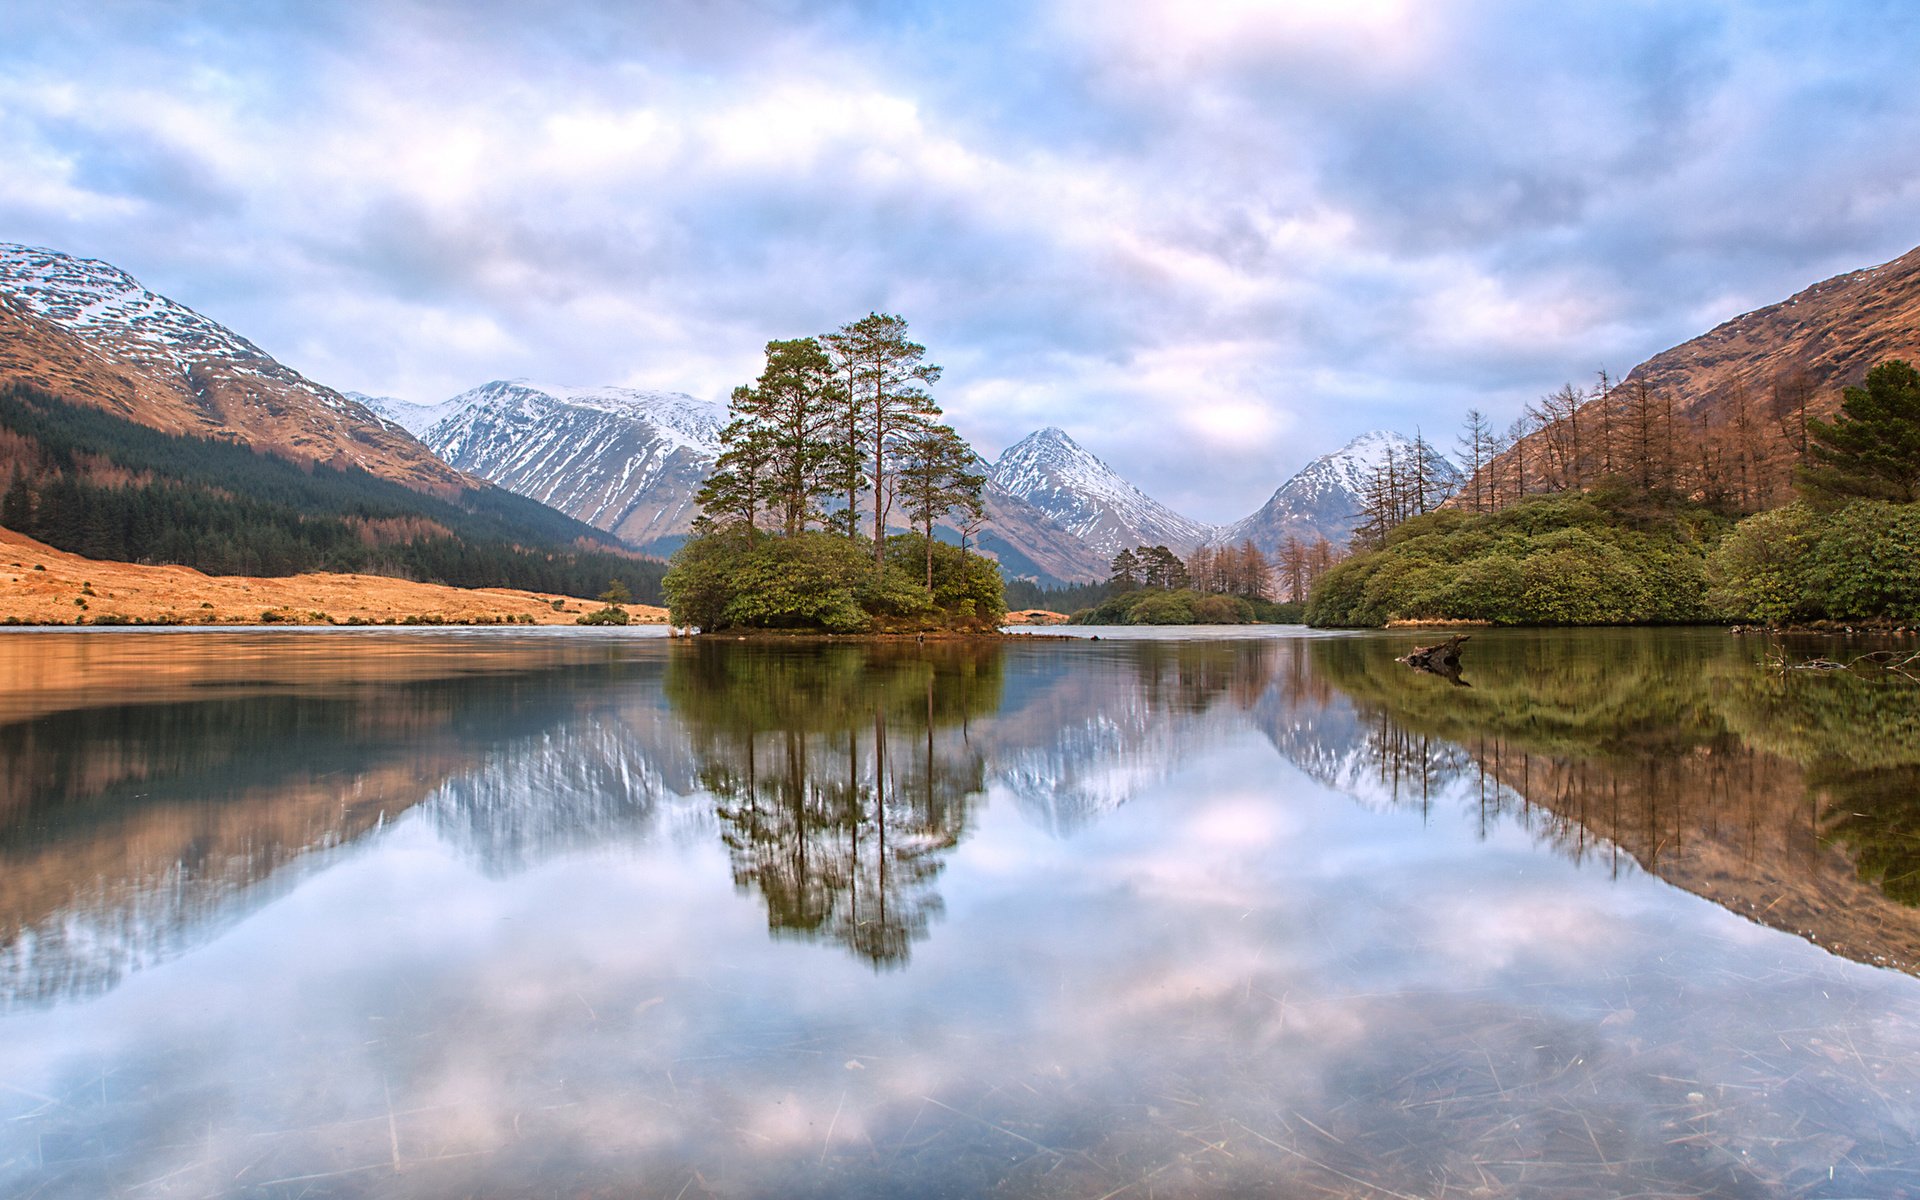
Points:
(842, 777)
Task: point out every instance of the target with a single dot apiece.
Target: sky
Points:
(1210, 240)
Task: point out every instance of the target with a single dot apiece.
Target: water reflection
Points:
(456, 916)
(145, 813)
(842, 778)
(1792, 798)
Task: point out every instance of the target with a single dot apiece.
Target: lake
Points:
(583, 913)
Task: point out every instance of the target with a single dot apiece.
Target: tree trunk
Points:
(1442, 658)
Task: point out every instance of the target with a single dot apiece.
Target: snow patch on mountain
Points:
(622, 459)
(109, 307)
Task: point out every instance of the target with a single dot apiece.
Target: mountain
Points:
(90, 333)
(135, 429)
(1089, 499)
(1830, 333)
(619, 459)
(1323, 498)
(416, 419)
(629, 462)
(1030, 545)
(1722, 412)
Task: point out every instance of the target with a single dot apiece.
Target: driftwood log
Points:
(1441, 658)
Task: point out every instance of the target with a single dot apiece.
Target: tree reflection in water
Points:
(843, 776)
(1790, 797)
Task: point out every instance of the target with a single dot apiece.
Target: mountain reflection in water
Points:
(840, 776)
(1044, 918)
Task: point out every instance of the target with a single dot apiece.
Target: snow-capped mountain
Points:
(416, 419)
(1089, 499)
(630, 461)
(620, 459)
(1324, 498)
(91, 332)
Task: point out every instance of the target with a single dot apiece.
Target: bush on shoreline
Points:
(1601, 558)
(1859, 562)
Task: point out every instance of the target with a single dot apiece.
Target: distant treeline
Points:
(95, 484)
(1227, 585)
(1023, 594)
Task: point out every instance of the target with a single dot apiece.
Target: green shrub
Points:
(734, 578)
(1222, 610)
(1606, 558)
(1162, 608)
(1860, 562)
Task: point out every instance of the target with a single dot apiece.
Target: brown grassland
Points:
(43, 586)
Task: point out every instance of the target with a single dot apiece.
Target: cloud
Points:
(1211, 244)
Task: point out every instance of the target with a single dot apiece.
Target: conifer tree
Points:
(16, 509)
(1293, 567)
(1475, 446)
(936, 475)
(886, 402)
(1871, 449)
(793, 403)
(737, 488)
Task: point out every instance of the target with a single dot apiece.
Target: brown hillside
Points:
(215, 384)
(1832, 333)
(1722, 416)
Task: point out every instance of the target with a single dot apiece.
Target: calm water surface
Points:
(496, 914)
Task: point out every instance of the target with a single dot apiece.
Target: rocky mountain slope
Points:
(1323, 498)
(622, 460)
(1030, 545)
(1831, 333)
(1089, 499)
(92, 334)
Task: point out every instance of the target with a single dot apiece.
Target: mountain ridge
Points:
(1323, 498)
(95, 332)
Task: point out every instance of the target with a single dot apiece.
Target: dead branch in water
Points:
(1905, 663)
(1441, 658)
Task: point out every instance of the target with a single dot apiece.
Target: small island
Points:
(834, 423)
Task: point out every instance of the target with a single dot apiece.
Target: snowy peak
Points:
(85, 294)
(621, 459)
(688, 423)
(1089, 499)
(1323, 498)
(416, 419)
(109, 308)
(1347, 469)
